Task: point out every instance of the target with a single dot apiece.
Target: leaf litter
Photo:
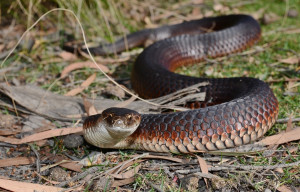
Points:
(32, 100)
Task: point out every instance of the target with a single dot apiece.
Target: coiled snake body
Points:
(238, 110)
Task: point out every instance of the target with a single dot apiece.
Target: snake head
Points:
(111, 127)
(121, 120)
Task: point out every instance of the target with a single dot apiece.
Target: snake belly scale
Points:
(236, 110)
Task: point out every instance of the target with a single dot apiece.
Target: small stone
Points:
(58, 174)
(73, 141)
(292, 13)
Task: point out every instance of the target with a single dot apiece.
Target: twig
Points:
(167, 171)
(72, 157)
(2, 144)
(285, 120)
(241, 167)
(154, 186)
(120, 166)
(181, 96)
(290, 94)
(253, 167)
(38, 161)
(81, 175)
(205, 175)
(283, 80)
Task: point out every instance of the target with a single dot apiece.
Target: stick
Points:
(241, 167)
(285, 120)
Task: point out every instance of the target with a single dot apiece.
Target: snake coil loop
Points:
(238, 110)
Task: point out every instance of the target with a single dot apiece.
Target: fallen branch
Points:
(285, 120)
(79, 176)
(226, 167)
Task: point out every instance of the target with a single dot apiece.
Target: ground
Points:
(40, 71)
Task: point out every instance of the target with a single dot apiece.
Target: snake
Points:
(236, 110)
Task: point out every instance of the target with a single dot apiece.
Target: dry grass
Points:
(272, 60)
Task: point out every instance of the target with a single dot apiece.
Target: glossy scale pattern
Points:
(239, 110)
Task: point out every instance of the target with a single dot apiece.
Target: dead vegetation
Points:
(45, 92)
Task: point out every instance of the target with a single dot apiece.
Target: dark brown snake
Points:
(236, 110)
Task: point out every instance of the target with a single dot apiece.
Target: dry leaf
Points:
(128, 174)
(258, 14)
(279, 170)
(289, 125)
(4, 177)
(281, 138)
(126, 102)
(9, 132)
(292, 87)
(80, 65)
(40, 143)
(115, 91)
(127, 163)
(74, 166)
(11, 44)
(42, 135)
(16, 161)
(122, 182)
(196, 12)
(292, 31)
(149, 23)
(1, 47)
(83, 86)
(89, 107)
(218, 7)
(67, 56)
(18, 186)
(203, 167)
(291, 60)
(284, 188)
(54, 165)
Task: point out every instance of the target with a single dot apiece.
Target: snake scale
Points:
(236, 111)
